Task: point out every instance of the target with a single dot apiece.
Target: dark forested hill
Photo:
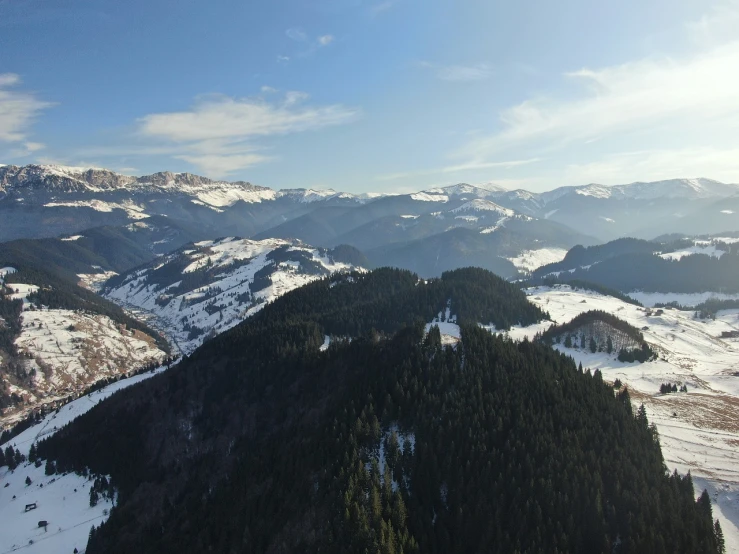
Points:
(100, 249)
(388, 442)
(681, 266)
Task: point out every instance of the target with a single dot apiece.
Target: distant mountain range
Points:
(428, 231)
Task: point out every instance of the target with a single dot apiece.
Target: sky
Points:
(375, 95)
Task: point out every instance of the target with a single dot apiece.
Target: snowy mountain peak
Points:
(464, 189)
(480, 204)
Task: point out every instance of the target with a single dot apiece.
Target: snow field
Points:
(68, 513)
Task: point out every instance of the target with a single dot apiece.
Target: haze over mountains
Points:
(67, 200)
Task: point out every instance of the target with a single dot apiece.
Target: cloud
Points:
(377, 9)
(476, 72)
(457, 169)
(283, 59)
(217, 165)
(18, 109)
(218, 133)
(668, 99)
(27, 149)
(657, 164)
(268, 90)
(325, 40)
(298, 35)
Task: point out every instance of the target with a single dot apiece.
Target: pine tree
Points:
(641, 416)
(719, 534)
(609, 345)
(10, 457)
(593, 345)
(28, 481)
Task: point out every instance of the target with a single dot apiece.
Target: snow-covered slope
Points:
(63, 501)
(529, 260)
(698, 429)
(64, 351)
(202, 291)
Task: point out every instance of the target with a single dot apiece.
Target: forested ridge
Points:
(260, 442)
(628, 265)
(600, 331)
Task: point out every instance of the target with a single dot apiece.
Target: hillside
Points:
(698, 429)
(204, 289)
(93, 255)
(56, 339)
(707, 264)
(599, 331)
(426, 444)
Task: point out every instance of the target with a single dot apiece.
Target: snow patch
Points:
(529, 260)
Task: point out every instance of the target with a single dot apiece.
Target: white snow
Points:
(427, 197)
(688, 300)
(93, 281)
(70, 350)
(529, 260)
(550, 213)
(607, 219)
(708, 250)
(22, 291)
(468, 218)
(68, 513)
(73, 237)
(703, 433)
(729, 212)
(596, 191)
(448, 328)
(133, 210)
(480, 205)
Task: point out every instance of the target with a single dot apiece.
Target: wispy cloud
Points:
(308, 44)
(677, 98)
(477, 72)
(298, 35)
(218, 133)
(325, 40)
(26, 149)
(652, 165)
(18, 110)
(460, 168)
(381, 7)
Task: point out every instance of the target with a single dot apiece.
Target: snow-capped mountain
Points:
(38, 201)
(200, 291)
(214, 194)
(43, 201)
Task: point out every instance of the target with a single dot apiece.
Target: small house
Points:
(30, 507)
(43, 523)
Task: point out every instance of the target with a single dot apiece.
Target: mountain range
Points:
(52, 200)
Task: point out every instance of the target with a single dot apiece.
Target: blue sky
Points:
(375, 95)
